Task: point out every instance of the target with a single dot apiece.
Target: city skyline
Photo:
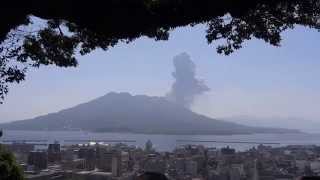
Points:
(187, 161)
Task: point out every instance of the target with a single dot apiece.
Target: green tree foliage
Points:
(82, 26)
(9, 169)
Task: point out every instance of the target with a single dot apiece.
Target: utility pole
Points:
(255, 170)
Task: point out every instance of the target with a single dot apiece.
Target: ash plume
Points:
(186, 86)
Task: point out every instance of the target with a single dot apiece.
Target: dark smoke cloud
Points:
(186, 86)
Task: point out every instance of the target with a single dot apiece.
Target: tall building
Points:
(148, 147)
(191, 167)
(179, 165)
(228, 151)
(54, 152)
(104, 160)
(116, 164)
(89, 154)
(55, 147)
(154, 164)
(38, 159)
(234, 174)
(255, 170)
(109, 161)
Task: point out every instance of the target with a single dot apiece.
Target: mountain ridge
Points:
(123, 112)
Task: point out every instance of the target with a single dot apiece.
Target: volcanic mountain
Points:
(123, 112)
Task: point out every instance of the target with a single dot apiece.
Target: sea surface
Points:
(162, 142)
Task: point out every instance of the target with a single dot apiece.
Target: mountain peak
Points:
(123, 112)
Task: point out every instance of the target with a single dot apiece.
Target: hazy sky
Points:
(258, 80)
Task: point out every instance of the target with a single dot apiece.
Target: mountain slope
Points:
(301, 123)
(122, 112)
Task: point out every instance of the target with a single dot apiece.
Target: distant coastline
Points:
(140, 114)
(285, 131)
(161, 141)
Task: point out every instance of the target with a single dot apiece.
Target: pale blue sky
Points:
(258, 80)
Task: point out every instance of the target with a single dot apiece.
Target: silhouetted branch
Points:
(83, 26)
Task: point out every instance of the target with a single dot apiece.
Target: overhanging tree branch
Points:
(102, 24)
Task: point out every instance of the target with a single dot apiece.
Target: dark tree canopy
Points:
(78, 26)
(9, 169)
(152, 176)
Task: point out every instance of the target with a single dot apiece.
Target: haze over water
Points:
(168, 142)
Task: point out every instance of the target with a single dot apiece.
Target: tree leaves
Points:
(83, 30)
(9, 169)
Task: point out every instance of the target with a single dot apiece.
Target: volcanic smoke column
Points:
(186, 87)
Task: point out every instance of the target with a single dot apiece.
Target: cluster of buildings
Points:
(187, 162)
